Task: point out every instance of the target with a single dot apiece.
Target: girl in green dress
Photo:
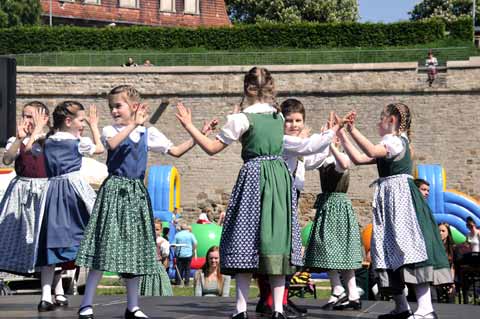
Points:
(406, 245)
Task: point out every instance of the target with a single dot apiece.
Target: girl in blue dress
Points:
(69, 198)
(120, 236)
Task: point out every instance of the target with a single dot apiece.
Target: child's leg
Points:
(243, 285)
(58, 288)
(46, 279)
(349, 278)
(424, 299)
(401, 303)
(337, 288)
(93, 278)
(277, 284)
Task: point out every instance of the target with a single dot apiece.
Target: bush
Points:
(461, 29)
(303, 35)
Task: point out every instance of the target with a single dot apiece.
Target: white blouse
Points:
(156, 141)
(36, 147)
(474, 241)
(85, 146)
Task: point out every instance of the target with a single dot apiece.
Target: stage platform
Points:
(190, 308)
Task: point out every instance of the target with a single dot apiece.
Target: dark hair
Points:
(290, 106)
(419, 182)
(205, 267)
(258, 83)
(448, 244)
(131, 93)
(62, 111)
(470, 220)
(402, 113)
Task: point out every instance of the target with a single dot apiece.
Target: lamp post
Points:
(50, 16)
(473, 13)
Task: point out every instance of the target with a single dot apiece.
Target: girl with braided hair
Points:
(261, 233)
(406, 246)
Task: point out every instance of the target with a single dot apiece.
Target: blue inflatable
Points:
(163, 185)
(449, 206)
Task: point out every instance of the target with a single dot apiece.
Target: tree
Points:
(19, 12)
(288, 11)
(449, 10)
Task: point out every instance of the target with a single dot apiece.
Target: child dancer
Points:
(406, 246)
(20, 214)
(261, 232)
(120, 236)
(158, 284)
(334, 243)
(69, 198)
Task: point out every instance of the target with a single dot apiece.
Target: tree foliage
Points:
(292, 11)
(448, 10)
(19, 12)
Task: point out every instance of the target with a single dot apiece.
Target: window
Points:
(192, 6)
(129, 3)
(167, 5)
(92, 1)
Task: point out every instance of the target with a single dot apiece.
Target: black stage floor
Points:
(189, 308)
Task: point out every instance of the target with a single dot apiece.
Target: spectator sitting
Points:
(209, 281)
(130, 63)
(163, 246)
(446, 292)
(185, 249)
(473, 237)
(147, 63)
(423, 187)
(203, 219)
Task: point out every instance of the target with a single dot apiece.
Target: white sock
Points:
(93, 278)
(349, 277)
(243, 286)
(58, 287)
(46, 279)
(132, 293)
(401, 303)
(337, 288)
(424, 299)
(277, 284)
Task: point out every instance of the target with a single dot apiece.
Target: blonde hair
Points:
(258, 85)
(131, 94)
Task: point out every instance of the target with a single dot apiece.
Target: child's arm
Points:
(341, 158)
(211, 147)
(93, 123)
(179, 150)
(370, 149)
(356, 157)
(139, 118)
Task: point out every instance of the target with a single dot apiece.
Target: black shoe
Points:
(393, 315)
(90, 316)
(240, 315)
(297, 308)
(61, 303)
(263, 310)
(45, 306)
(131, 314)
(290, 313)
(349, 304)
(278, 315)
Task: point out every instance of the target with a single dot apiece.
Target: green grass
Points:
(446, 49)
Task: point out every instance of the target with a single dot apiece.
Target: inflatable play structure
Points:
(449, 206)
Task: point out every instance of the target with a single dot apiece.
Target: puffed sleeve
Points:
(236, 125)
(316, 160)
(157, 142)
(10, 141)
(317, 143)
(86, 146)
(393, 144)
(107, 133)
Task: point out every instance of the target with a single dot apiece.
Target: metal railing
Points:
(244, 58)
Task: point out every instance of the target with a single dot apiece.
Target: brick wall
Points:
(212, 13)
(445, 118)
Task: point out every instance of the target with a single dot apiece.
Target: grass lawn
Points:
(443, 49)
(114, 286)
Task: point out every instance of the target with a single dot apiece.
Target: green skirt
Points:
(120, 235)
(156, 285)
(334, 241)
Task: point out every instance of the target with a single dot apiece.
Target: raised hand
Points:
(22, 129)
(305, 132)
(92, 119)
(40, 120)
(184, 115)
(141, 114)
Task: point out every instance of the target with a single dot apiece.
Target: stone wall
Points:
(445, 117)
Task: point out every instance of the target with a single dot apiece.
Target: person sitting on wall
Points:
(431, 63)
(130, 63)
